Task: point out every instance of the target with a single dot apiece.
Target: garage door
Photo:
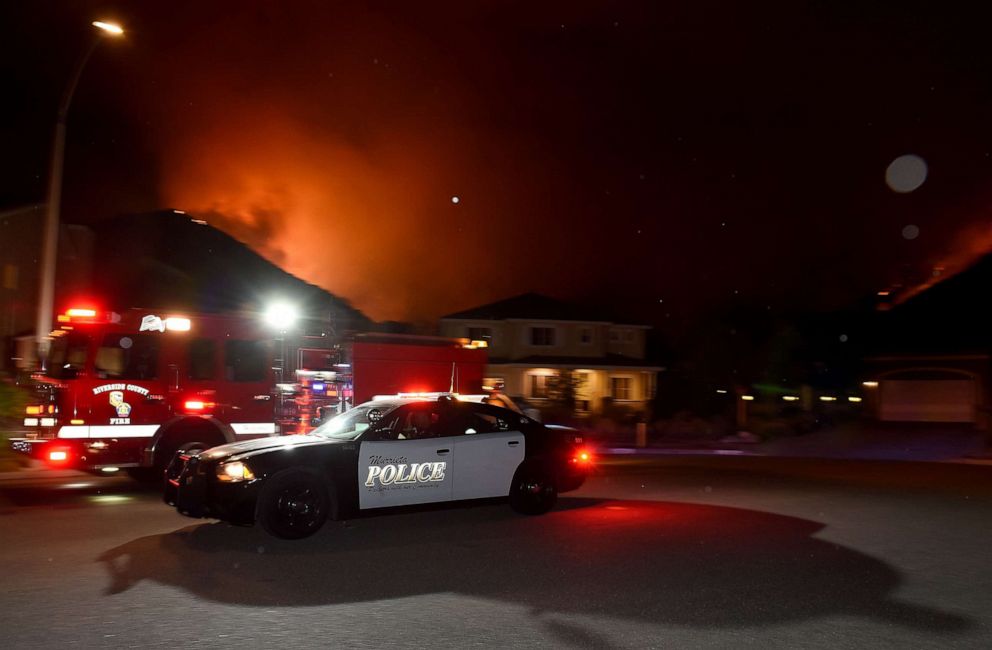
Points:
(927, 400)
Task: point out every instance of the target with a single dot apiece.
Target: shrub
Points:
(13, 399)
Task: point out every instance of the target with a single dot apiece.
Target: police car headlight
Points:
(234, 472)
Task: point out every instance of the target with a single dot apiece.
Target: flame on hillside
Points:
(970, 244)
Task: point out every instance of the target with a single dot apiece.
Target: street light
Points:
(281, 315)
(111, 28)
(50, 239)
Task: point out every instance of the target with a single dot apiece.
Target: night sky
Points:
(662, 159)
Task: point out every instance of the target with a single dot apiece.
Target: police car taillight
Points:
(582, 457)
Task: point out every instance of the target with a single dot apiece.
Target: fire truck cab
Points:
(127, 390)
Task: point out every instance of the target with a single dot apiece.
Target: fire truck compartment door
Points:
(405, 472)
(486, 463)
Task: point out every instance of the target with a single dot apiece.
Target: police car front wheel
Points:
(293, 504)
(533, 492)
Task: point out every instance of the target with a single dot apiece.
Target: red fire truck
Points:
(127, 390)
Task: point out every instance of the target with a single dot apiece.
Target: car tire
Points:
(534, 492)
(293, 504)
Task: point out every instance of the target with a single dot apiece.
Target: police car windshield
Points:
(348, 425)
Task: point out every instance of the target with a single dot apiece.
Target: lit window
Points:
(620, 388)
(480, 334)
(539, 386)
(493, 384)
(649, 385)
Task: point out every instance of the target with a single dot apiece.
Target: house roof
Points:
(530, 305)
(552, 361)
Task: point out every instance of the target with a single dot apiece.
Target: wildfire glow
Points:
(341, 171)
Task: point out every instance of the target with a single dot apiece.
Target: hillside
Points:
(166, 260)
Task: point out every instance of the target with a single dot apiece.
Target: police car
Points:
(392, 451)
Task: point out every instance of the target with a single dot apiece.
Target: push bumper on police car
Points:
(189, 489)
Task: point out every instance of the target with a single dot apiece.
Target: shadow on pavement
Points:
(656, 562)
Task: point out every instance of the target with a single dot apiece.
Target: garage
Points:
(928, 400)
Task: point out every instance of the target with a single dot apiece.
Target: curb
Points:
(667, 451)
(670, 451)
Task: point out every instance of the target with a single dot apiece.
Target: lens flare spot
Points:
(906, 173)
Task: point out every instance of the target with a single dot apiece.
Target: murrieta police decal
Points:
(396, 471)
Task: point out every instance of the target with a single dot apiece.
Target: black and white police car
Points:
(392, 451)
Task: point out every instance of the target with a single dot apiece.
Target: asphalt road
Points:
(663, 552)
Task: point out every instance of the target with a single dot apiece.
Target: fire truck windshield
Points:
(67, 356)
(127, 356)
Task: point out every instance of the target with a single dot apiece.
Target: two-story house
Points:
(532, 339)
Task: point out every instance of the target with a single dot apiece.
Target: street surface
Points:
(668, 552)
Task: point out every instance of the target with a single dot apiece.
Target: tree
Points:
(563, 389)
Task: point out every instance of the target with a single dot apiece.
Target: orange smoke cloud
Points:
(330, 214)
(334, 152)
(375, 225)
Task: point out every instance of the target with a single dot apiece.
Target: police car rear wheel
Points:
(293, 504)
(533, 493)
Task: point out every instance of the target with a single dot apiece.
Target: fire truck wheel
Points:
(293, 504)
(192, 438)
(533, 491)
(194, 447)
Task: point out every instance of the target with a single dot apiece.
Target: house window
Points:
(542, 336)
(585, 335)
(628, 336)
(614, 336)
(490, 384)
(649, 385)
(480, 334)
(621, 388)
(539, 386)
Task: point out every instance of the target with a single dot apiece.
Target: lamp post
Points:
(50, 238)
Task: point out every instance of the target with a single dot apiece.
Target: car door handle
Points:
(443, 452)
(513, 443)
